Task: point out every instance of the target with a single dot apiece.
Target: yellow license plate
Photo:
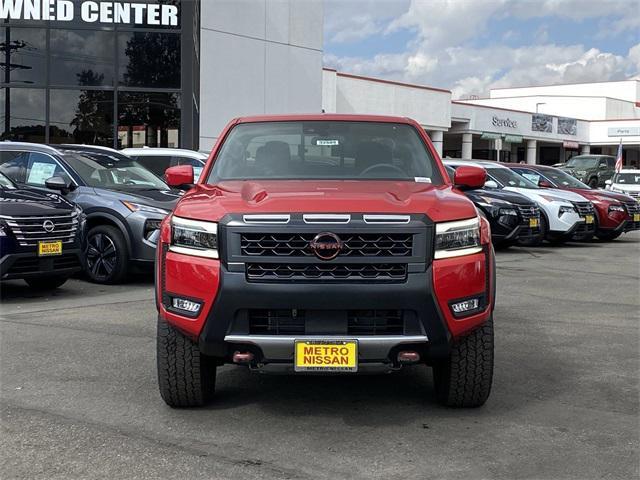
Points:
(326, 356)
(588, 219)
(534, 222)
(49, 248)
(636, 217)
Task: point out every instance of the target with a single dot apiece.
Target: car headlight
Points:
(194, 237)
(508, 211)
(562, 210)
(139, 207)
(616, 208)
(454, 239)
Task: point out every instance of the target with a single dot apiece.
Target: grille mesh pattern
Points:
(584, 208)
(293, 322)
(354, 245)
(329, 271)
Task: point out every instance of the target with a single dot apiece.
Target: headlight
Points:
(454, 239)
(564, 210)
(79, 213)
(508, 211)
(194, 237)
(616, 208)
(138, 207)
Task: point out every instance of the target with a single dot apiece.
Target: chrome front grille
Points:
(28, 231)
(632, 207)
(528, 212)
(354, 245)
(584, 208)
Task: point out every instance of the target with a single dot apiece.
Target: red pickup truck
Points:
(325, 244)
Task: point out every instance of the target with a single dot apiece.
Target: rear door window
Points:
(14, 165)
(156, 164)
(30, 168)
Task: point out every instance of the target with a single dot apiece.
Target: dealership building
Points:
(172, 73)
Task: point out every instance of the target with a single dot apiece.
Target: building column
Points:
(531, 152)
(586, 149)
(437, 140)
(467, 146)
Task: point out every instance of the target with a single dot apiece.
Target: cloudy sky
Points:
(469, 46)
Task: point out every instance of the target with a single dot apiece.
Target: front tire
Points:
(46, 283)
(464, 380)
(107, 256)
(186, 377)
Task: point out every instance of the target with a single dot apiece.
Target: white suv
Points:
(565, 215)
(157, 160)
(627, 182)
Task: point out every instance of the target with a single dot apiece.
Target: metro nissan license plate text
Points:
(326, 356)
(49, 248)
(588, 219)
(533, 223)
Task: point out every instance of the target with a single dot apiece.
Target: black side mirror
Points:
(58, 183)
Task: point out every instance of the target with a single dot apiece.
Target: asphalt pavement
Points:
(80, 400)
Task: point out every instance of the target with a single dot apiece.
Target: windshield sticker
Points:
(423, 180)
(327, 143)
(40, 172)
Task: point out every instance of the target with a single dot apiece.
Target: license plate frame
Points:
(301, 361)
(49, 248)
(636, 217)
(589, 219)
(534, 222)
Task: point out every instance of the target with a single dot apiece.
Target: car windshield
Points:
(558, 177)
(316, 150)
(627, 178)
(509, 178)
(582, 162)
(6, 183)
(105, 171)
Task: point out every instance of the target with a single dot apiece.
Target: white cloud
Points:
(442, 53)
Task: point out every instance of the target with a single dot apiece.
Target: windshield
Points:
(556, 177)
(508, 178)
(582, 162)
(325, 150)
(6, 183)
(626, 177)
(105, 171)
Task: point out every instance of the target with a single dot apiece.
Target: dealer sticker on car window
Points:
(327, 142)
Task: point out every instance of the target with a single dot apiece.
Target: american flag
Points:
(619, 157)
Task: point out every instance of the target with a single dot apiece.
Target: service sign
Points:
(131, 13)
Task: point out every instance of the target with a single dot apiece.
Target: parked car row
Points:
(119, 204)
(547, 203)
(71, 207)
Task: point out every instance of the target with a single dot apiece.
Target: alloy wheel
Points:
(102, 256)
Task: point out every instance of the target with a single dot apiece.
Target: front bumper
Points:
(29, 265)
(227, 298)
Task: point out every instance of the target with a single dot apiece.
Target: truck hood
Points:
(28, 202)
(594, 194)
(212, 202)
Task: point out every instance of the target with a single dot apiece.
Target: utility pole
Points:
(8, 47)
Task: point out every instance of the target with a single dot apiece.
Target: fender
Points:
(97, 213)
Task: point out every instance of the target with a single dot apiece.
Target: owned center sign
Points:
(90, 12)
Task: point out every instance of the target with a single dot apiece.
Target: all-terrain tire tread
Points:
(465, 380)
(186, 377)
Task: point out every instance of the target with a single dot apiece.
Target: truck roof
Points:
(323, 117)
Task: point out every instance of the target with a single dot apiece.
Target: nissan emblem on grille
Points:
(326, 245)
(48, 226)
